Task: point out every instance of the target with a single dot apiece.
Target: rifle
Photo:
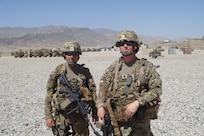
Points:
(107, 128)
(111, 126)
(75, 95)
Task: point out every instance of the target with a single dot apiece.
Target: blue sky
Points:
(170, 18)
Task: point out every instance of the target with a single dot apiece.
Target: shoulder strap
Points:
(113, 118)
(118, 65)
(142, 78)
(116, 74)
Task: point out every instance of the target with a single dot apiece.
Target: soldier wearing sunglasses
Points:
(129, 90)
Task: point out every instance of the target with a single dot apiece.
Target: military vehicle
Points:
(56, 53)
(37, 53)
(34, 53)
(45, 53)
(18, 54)
(155, 54)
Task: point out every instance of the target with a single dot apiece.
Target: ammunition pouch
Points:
(151, 112)
(62, 102)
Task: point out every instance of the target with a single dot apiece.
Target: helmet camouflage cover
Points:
(72, 46)
(128, 35)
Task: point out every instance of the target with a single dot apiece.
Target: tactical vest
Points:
(126, 88)
(134, 82)
(60, 101)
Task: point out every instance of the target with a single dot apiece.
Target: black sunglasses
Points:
(122, 43)
(71, 53)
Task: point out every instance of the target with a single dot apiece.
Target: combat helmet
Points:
(72, 46)
(128, 35)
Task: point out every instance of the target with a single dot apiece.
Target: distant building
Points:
(187, 50)
(166, 41)
(172, 50)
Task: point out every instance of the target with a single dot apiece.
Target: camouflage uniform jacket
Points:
(82, 75)
(151, 90)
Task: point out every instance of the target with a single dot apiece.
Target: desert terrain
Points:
(23, 87)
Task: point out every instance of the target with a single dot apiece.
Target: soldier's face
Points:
(72, 58)
(126, 49)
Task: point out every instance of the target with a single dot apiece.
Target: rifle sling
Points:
(113, 119)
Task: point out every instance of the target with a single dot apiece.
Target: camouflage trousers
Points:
(135, 128)
(71, 125)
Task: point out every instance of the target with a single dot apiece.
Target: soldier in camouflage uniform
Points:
(131, 85)
(55, 113)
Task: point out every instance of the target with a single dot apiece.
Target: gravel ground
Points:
(23, 86)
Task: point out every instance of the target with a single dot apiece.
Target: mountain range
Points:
(55, 36)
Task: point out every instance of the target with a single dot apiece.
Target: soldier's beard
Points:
(127, 53)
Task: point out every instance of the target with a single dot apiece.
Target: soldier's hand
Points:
(101, 113)
(50, 122)
(94, 119)
(131, 109)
